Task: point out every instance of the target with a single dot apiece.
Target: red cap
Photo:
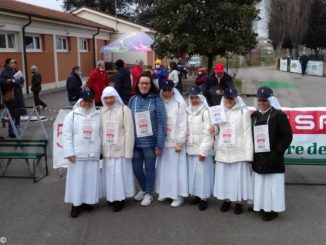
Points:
(219, 68)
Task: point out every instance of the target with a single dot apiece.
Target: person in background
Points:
(199, 149)
(11, 82)
(201, 77)
(74, 85)
(122, 81)
(149, 117)
(182, 73)
(171, 170)
(272, 136)
(174, 75)
(215, 84)
(160, 73)
(136, 71)
(37, 87)
(304, 59)
(97, 81)
(81, 137)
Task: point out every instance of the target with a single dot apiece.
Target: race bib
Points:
(143, 124)
(261, 139)
(217, 115)
(111, 133)
(88, 130)
(227, 135)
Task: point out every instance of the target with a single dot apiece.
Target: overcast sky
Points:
(57, 4)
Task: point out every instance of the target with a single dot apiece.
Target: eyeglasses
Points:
(167, 89)
(144, 84)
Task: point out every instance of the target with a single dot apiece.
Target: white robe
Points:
(201, 176)
(269, 192)
(233, 182)
(171, 178)
(118, 179)
(83, 183)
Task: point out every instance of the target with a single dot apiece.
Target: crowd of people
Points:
(143, 127)
(170, 145)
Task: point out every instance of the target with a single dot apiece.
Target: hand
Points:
(72, 159)
(218, 92)
(201, 158)
(158, 152)
(178, 148)
(212, 130)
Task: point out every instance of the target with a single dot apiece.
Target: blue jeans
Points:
(144, 156)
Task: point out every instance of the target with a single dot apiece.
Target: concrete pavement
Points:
(36, 214)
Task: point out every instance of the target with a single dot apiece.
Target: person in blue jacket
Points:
(149, 117)
(160, 74)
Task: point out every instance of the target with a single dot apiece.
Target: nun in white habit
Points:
(117, 149)
(199, 149)
(171, 170)
(82, 147)
(234, 153)
(272, 136)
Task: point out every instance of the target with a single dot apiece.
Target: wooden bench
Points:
(28, 150)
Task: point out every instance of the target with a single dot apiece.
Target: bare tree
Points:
(288, 20)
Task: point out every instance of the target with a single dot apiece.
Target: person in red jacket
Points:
(98, 80)
(136, 71)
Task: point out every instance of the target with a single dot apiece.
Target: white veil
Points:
(111, 92)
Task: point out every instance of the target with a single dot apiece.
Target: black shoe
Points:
(87, 207)
(75, 211)
(11, 135)
(238, 208)
(202, 205)
(117, 206)
(268, 216)
(195, 201)
(226, 206)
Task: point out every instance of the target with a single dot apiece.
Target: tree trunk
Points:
(210, 63)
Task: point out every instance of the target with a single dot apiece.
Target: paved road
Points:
(36, 214)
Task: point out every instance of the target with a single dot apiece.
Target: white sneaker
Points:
(139, 196)
(177, 202)
(147, 200)
(161, 199)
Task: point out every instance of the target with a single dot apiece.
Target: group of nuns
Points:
(172, 148)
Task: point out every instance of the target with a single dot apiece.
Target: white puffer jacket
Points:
(176, 112)
(199, 139)
(242, 150)
(126, 139)
(72, 137)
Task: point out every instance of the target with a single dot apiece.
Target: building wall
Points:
(66, 60)
(14, 55)
(86, 59)
(43, 60)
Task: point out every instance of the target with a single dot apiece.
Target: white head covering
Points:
(273, 101)
(178, 97)
(111, 92)
(78, 108)
(202, 99)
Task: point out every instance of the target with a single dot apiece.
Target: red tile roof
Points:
(17, 7)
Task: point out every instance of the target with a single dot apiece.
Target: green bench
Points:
(32, 151)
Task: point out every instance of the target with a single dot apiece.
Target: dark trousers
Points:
(15, 114)
(303, 68)
(37, 100)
